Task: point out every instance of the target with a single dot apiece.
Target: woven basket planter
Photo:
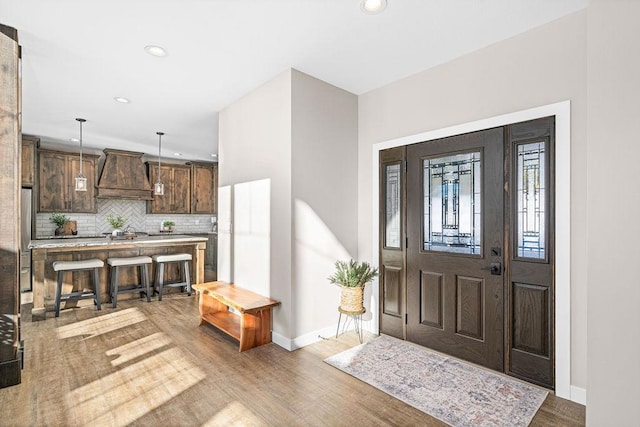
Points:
(351, 299)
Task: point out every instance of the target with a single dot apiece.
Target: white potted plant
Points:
(116, 222)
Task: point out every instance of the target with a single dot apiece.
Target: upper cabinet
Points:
(177, 189)
(56, 189)
(204, 187)
(29, 146)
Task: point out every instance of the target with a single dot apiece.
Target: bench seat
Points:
(251, 326)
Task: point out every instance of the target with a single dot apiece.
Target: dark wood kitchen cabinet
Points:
(56, 189)
(204, 187)
(177, 189)
(29, 146)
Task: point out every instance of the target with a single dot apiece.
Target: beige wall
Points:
(255, 149)
(540, 67)
(613, 221)
(295, 202)
(325, 194)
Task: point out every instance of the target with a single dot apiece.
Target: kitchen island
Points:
(45, 252)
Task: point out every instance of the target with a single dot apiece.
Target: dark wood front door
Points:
(469, 263)
(455, 226)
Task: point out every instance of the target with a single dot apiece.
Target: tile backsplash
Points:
(137, 219)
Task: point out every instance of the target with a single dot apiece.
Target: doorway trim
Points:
(562, 112)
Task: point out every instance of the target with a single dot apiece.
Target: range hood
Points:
(123, 176)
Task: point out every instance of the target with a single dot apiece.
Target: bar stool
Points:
(161, 260)
(89, 264)
(137, 261)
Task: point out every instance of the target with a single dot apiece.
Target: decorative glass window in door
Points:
(530, 204)
(392, 206)
(452, 202)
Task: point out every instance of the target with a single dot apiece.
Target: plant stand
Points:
(356, 316)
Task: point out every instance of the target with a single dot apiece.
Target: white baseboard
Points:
(579, 395)
(303, 340)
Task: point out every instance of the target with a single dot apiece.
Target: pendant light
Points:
(158, 186)
(81, 181)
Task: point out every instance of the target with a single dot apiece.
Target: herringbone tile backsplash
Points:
(137, 219)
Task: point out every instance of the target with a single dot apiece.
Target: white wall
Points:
(294, 206)
(255, 147)
(613, 213)
(325, 193)
(540, 67)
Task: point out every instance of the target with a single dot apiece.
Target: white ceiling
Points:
(79, 55)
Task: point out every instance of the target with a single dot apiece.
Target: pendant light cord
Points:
(81, 121)
(159, 150)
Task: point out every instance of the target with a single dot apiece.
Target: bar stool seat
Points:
(88, 264)
(161, 260)
(137, 261)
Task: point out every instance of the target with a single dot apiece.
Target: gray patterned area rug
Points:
(453, 391)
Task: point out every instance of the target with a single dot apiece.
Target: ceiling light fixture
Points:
(373, 6)
(122, 100)
(177, 154)
(155, 51)
(158, 186)
(81, 181)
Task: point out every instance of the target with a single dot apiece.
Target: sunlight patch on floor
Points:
(234, 414)
(137, 348)
(128, 394)
(102, 324)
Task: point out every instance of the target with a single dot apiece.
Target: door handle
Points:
(495, 268)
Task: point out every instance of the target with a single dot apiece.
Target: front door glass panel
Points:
(531, 195)
(392, 206)
(452, 203)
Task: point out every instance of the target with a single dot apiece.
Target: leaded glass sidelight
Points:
(392, 205)
(452, 195)
(531, 196)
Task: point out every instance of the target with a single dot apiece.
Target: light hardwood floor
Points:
(151, 364)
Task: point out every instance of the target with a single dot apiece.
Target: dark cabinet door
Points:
(56, 190)
(177, 189)
(203, 188)
(28, 157)
(53, 183)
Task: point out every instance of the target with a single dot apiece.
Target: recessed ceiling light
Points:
(122, 100)
(177, 154)
(214, 155)
(373, 6)
(74, 140)
(155, 51)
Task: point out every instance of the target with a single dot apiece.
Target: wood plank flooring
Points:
(152, 364)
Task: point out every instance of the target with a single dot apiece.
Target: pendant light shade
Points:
(81, 181)
(158, 186)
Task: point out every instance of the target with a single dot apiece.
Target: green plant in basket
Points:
(353, 274)
(117, 221)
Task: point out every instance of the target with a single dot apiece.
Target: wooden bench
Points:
(252, 327)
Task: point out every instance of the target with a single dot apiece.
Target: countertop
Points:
(102, 241)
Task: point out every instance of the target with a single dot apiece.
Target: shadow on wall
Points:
(315, 252)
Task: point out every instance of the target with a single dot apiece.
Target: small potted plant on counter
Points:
(167, 226)
(117, 222)
(59, 220)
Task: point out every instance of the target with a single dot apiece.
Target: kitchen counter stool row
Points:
(141, 262)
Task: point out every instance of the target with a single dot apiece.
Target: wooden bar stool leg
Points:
(58, 294)
(145, 279)
(114, 286)
(187, 277)
(96, 288)
(160, 280)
